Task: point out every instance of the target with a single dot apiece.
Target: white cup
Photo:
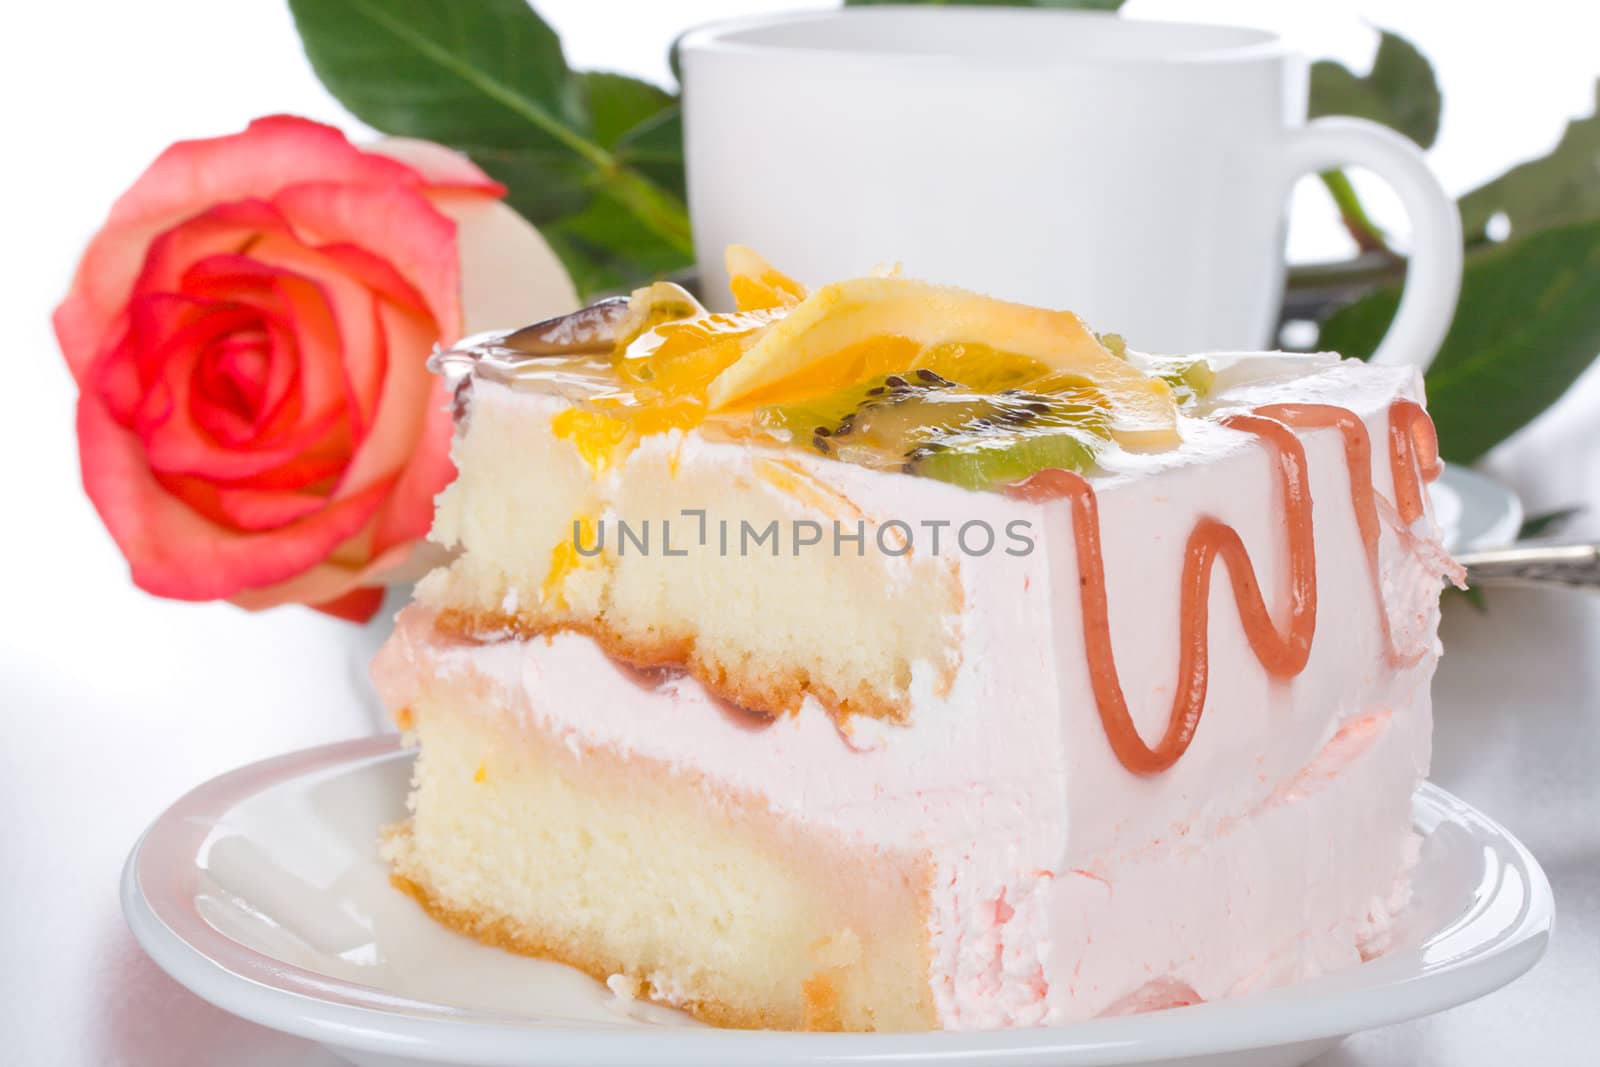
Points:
(1134, 172)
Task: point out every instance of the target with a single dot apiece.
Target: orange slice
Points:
(852, 330)
(757, 285)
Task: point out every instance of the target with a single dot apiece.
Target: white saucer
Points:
(262, 892)
(1474, 511)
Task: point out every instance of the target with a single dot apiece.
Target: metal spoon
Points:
(1577, 566)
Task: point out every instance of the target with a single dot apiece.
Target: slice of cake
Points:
(890, 657)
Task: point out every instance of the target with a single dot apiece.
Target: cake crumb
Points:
(481, 775)
(623, 987)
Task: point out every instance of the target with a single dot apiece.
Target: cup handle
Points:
(1433, 274)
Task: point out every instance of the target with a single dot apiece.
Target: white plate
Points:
(1474, 512)
(262, 892)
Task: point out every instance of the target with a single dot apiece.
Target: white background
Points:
(112, 703)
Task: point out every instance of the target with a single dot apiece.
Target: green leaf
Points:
(1355, 329)
(542, 184)
(607, 251)
(641, 125)
(489, 77)
(489, 72)
(1400, 91)
(1473, 595)
(1368, 235)
(1069, 5)
(655, 149)
(1528, 324)
(617, 104)
(1546, 524)
(636, 120)
(1563, 186)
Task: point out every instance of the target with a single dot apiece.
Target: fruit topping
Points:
(647, 308)
(924, 423)
(881, 371)
(756, 284)
(870, 327)
(1191, 379)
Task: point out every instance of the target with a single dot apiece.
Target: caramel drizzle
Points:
(1413, 456)
(1413, 448)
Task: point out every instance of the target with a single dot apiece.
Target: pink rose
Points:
(248, 332)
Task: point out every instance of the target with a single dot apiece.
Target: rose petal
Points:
(248, 509)
(314, 471)
(402, 407)
(228, 376)
(395, 224)
(280, 401)
(225, 230)
(305, 304)
(408, 513)
(509, 275)
(172, 423)
(238, 279)
(167, 326)
(177, 443)
(174, 551)
(200, 257)
(325, 581)
(271, 153)
(442, 169)
(347, 280)
(358, 605)
(233, 377)
(265, 509)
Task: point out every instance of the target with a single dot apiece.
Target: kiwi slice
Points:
(984, 465)
(1191, 378)
(924, 424)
